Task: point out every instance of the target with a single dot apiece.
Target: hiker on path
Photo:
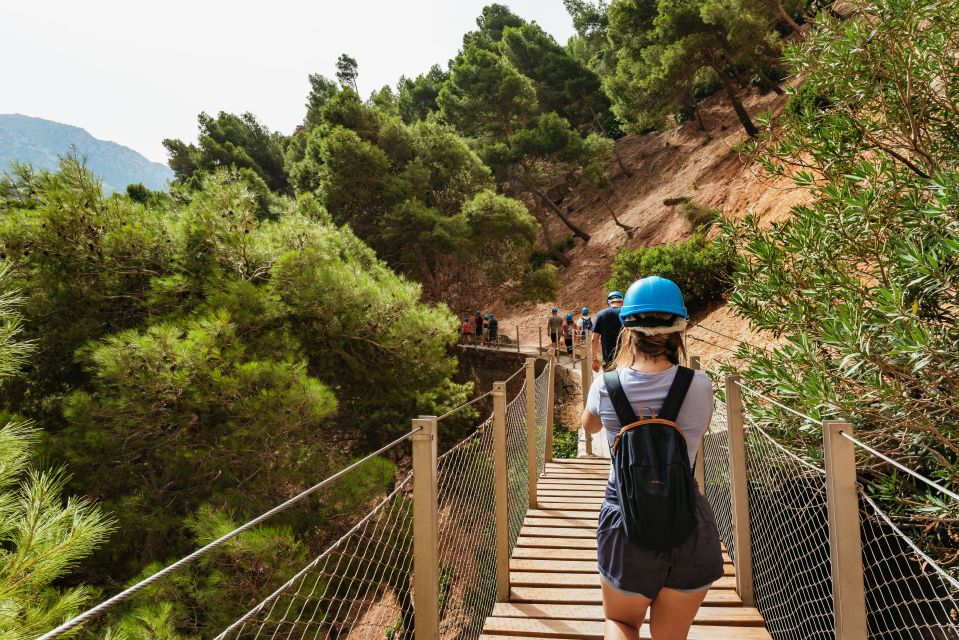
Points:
(568, 330)
(466, 329)
(658, 548)
(478, 326)
(554, 326)
(492, 327)
(606, 331)
(584, 326)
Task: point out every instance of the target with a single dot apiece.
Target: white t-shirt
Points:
(646, 392)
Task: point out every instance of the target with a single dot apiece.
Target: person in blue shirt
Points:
(606, 330)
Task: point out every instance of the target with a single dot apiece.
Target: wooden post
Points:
(517, 339)
(550, 405)
(739, 491)
(845, 542)
(531, 457)
(425, 553)
(700, 465)
(501, 483)
(585, 373)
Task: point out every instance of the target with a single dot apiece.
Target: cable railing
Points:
(130, 592)
(426, 554)
(813, 552)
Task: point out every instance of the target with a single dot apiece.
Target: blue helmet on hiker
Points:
(569, 316)
(486, 317)
(492, 315)
(585, 311)
(554, 310)
(614, 295)
(652, 295)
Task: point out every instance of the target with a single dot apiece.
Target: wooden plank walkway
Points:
(554, 584)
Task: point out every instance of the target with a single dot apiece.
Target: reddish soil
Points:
(682, 161)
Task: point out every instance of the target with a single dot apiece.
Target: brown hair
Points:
(633, 344)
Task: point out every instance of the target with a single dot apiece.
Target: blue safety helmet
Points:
(569, 316)
(477, 313)
(614, 295)
(492, 315)
(486, 317)
(554, 310)
(653, 295)
(585, 311)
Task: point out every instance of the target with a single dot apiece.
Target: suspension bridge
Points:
(494, 539)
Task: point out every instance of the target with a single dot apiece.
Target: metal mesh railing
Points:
(517, 464)
(361, 587)
(716, 466)
(542, 405)
(357, 588)
(790, 540)
(908, 596)
(467, 534)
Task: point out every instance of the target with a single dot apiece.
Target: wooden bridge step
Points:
(567, 565)
(593, 630)
(572, 482)
(546, 553)
(561, 492)
(579, 595)
(557, 543)
(563, 513)
(571, 504)
(551, 504)
(559, 532)
(544, 579)
(548, 521)
(729, 616)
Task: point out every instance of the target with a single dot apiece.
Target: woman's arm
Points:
(591, 424)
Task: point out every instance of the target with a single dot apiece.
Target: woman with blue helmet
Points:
(672, 583)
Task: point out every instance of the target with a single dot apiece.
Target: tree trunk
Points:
(560, 257)
(699, 118)
(788, 18)
(630, 231)
(737, 105)
(619, 161)
(579, 233)
(768, 82)
(616, 156)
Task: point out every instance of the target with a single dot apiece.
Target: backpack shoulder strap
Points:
(624, 411)
(677, 394)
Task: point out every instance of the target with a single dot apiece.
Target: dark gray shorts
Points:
(634, 569)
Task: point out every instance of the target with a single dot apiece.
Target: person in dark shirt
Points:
(492, 328)
(554, 326)
(606, 330)
(478, 325)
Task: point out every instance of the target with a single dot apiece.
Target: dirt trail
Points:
(682, 161)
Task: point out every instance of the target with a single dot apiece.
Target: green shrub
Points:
(565, 442)
(700, 217)
(699, 266)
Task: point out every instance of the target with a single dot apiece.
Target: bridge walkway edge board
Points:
(554, 585)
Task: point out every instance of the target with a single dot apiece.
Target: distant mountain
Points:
(40, 142)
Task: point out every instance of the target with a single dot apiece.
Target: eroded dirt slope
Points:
(683, 161)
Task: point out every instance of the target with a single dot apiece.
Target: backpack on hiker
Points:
(656, 487)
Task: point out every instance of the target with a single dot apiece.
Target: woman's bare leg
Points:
(673, 612)
(624, 613)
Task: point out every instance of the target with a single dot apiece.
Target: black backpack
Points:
(656, 487)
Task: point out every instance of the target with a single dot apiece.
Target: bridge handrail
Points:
(111, 602)
(810, 538)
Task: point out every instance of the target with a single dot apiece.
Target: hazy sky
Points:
(136, 71)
